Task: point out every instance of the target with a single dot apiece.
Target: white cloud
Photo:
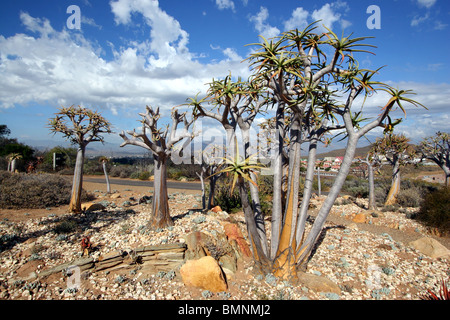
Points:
(62, 67)
(426, 3)
(418, 20)
(298, 19)
(261, 25)
(327, 15)
(225, 4)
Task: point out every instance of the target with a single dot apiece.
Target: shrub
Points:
(227, 202)
(121, 171)
(434, 210)
(65, 226)
(35, 191)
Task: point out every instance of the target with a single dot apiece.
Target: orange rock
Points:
(204, 273)
(359, 218)
(233, 232)
(216, 209)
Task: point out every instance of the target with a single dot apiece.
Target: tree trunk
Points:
(372, 205)
(77, 185)
(395, 186)
(258, 252)
(13, 165)
(108, 186)
(307, 191)
(202, 181)
(254, 193)
(160, 205)
(277, 207)
(212, 190)
(284, 264)
(305, 249)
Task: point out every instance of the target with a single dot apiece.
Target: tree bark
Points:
(254, 193)
(108, 186)
(258, 252)
(277, 207)
(395, 186)
(305, 249)
(160, 206)
(77, 184)
(372, 205)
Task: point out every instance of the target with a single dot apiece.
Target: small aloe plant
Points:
(240, 168)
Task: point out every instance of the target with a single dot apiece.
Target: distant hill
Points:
(360, 152)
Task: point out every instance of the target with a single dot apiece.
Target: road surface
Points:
(129, 182)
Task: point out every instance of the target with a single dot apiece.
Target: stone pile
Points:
(129, 260)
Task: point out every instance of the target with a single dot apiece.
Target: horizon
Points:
(126, 54)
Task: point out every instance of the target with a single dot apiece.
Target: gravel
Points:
(369, 260)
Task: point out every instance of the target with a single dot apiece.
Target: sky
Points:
(122, 55)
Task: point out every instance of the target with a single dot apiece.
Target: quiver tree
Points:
(209, 164)
(12, 161)
(80, 126)
(398, 153)
(437, 149)
(372, 160)
(104, 160)
(319, 96)
(235, 103)
(161, 143)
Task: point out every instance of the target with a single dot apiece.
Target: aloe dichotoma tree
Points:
(237, 103)
(437, 149)
(161, 143)
(80, 126)
(398, 153)
(320, 95)
(104, 160)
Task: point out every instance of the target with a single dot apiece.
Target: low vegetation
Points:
(34, 191)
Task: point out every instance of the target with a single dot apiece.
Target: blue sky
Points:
(132, 53)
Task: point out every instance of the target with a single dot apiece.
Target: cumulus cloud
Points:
(262, 26)
(225, 4)
(52, 67)
(329, 14)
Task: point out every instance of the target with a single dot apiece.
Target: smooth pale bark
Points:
(160, 205)
(285, 256)
(307, 191)
(277, 205)
(305, 249)
(372, 205)
(254, 193)
(77, 184)
(108, 186)
(13, 165)
(395, 186)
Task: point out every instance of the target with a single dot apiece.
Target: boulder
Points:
(318, 283)
(204, 273)
(359, 218)
(216, 209)
(233, 232)
(91, 206)
(196, 245)
(431, 248)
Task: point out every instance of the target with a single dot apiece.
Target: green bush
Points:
(35, 191)
(434, 210)
(227, 201)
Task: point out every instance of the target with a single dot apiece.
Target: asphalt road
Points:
(127, 182)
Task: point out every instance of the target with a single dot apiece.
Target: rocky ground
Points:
(361, 255)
